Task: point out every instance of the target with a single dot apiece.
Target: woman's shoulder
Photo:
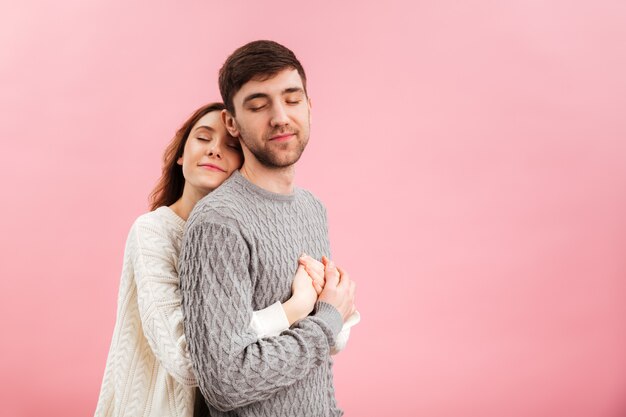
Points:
(154, 240)
(161, 221)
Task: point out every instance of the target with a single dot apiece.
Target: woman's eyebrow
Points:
(205, 127)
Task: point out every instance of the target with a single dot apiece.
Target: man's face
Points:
(273, 118)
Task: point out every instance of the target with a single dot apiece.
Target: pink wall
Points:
(472, 156)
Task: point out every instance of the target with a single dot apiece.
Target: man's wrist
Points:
(330, 315)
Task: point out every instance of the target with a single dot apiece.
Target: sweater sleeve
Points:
(159, 302)
(342, 338)
(159, 299)
(233, 366)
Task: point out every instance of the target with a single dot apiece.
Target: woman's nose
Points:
(215, 149)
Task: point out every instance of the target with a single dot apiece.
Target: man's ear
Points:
(230, 123)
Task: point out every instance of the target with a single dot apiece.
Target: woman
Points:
(148, 370)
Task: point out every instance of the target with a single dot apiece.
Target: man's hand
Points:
(339, 289)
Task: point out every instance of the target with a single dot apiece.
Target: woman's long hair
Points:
(172, 182)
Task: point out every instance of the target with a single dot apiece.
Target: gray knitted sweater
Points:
(239, 254)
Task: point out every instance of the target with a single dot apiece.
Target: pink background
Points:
(472, 156)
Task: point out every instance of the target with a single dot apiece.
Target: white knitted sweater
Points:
(148, 371)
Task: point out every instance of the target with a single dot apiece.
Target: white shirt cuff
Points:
(270, 321)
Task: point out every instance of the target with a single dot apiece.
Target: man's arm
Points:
(232, 366)
(315, 268)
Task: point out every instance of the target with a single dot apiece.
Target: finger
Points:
(318, 288)
(311, 263)
(319, 282)
(352, 289)
(319, 267)
(325, 260)
(344, 277)
(331, 274)
(319, 273)
(315, 262)
(313, 272)
(309, 259)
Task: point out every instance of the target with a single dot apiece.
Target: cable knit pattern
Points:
(148, 371)
(239, 253)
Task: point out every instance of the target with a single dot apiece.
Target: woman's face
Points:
(210, 155)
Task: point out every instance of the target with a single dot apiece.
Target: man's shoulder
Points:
(308, 198)
(221, 206)
(306, 194)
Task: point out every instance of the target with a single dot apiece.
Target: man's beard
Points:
(270, 155)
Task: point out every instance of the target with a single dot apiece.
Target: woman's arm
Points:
(154, 257)
(278, 317)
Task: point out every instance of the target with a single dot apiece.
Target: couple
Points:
(225, 284)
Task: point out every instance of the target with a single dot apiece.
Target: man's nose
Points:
(279, 115)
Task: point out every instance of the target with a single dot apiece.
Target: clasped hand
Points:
(320, 281)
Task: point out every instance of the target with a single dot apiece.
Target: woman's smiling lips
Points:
(212, 167)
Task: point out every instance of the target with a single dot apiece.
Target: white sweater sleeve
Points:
(159, 300)
(342, 338)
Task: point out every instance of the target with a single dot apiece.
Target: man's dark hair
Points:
(258, 60)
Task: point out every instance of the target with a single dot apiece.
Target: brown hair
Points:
(257, 60)
(170, 186)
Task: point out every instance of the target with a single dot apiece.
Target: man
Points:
(241, 247)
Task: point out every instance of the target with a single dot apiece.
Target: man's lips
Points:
(212, 167)
(282, 137)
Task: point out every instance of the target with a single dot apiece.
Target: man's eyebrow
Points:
(289, 90)
(293, 90)
(253, 96)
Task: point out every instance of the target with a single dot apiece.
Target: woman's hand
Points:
(315, 269)
(303, 296)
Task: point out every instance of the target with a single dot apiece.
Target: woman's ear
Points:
(179, 161)
(230, 123)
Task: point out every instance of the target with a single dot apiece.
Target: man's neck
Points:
(275, 180)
